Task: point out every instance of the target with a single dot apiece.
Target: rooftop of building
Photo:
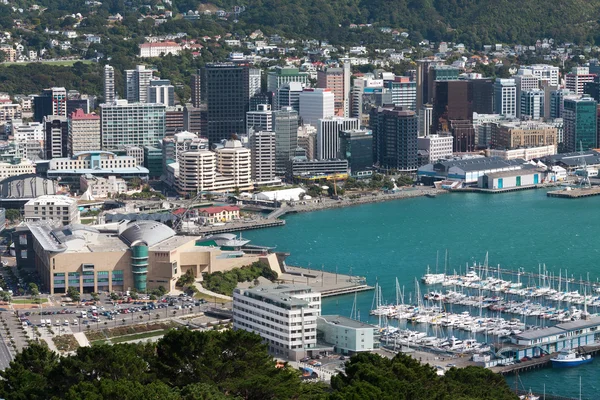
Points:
(528, 125)
(280, 293)
(559, 329)
(218, 209)
(148, 232)
(346, 322)
(159, 44)
(56, 200)
(574, 159)
(171, 243)
(476, 164)
(527, 169)
(79, 114)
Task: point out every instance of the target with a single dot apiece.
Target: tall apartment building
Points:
(576, 80)
(544, 72)
(580, 124)
(307, 140)
(225, 89)
(197, 171)
(234, 164)
(288, 95)
(525, 81)
(285, 126)
(403, 91)
(278, 76)
(285, 316)
(174, 120)
(425, 119)
(52, 101)
(109, 84)
(56, 139)
(262, 148)
(260, 119)
(335, 79)
(160, 91)
(84, 132)
(532, 104)
(394, 138)
(505, 93)
(136, 124)
(514, 135)
(196, 87)
(328, 135)
(316, 104)
(254, 82)
(137, 82)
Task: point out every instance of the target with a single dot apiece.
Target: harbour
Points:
(575, 193)
(399, 239)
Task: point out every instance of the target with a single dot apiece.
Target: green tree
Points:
(13, 215)
(95, 296)
(27, 376)
(33, 290)
(73, 293)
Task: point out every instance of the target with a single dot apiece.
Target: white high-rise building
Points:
(532, 104)
(576, 80)
(109, 84)
(254, 81)
(197, 171)
(438, 146)
(234, 163)
(544, 72)
(525, 81)
(262, 147)
(260, 120)
(161, 91)
(285, 316)
(347, 89)
(425, 119)
(136, 124)
(328, 135)
(137, 82)
(316, 104)
(505, 92)
(84, 132)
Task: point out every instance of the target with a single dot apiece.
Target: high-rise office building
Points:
(580, 124)
(56, 141)
(174, 120)
(137, 82)
(403, 91)
(285, 126)
(328, 135)
(194, 119)
(75, 104)
(260, 119)
(505, 93)
(196, 89)
(225, 89)
(482, 93)
(575, 80)
(254, 82)
(453, 100)
(425, 119)
(160, 91)
(52, 101)
(262, 148)
(334, 79)
(84, 132)
(109, 84)
(557, 98)
(525, 81)
(281, 75)
(394, 139)
(356, 146)
(440, 72)
(532, 104)
(307, 140)
(316, 104)
(288, 95)
(137, 124)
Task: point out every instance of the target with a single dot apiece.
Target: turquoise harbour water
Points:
(398, 239)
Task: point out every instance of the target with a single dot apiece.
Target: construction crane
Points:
(190, 204)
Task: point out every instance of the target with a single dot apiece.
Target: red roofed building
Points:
(210, 215)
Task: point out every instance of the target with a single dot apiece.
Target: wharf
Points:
(576, 193)
(234, 227)
(327, 283)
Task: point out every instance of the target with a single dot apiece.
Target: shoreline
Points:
(327, 204)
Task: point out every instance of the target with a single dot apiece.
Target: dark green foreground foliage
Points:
(187, 365)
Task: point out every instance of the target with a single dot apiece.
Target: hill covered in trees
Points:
(473, 22)
(187, 365)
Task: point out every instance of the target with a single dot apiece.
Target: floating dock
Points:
(235, 227)
(576, 193)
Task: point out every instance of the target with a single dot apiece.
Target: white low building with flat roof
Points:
(348, 336)
(280, 195)
(56, 208)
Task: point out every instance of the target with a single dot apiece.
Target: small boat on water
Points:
(430, 195)
(570, 358)
(529, 396)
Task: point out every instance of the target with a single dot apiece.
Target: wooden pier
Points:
(576, 193)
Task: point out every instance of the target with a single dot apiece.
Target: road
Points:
(5, 355)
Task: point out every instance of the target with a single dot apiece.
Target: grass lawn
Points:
(29, 301)
(64, 63)
(65, 342)
(119, 331)
(210, 299)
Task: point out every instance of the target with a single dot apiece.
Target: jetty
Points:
(234, 227)
(327, 283)
(575, 193)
